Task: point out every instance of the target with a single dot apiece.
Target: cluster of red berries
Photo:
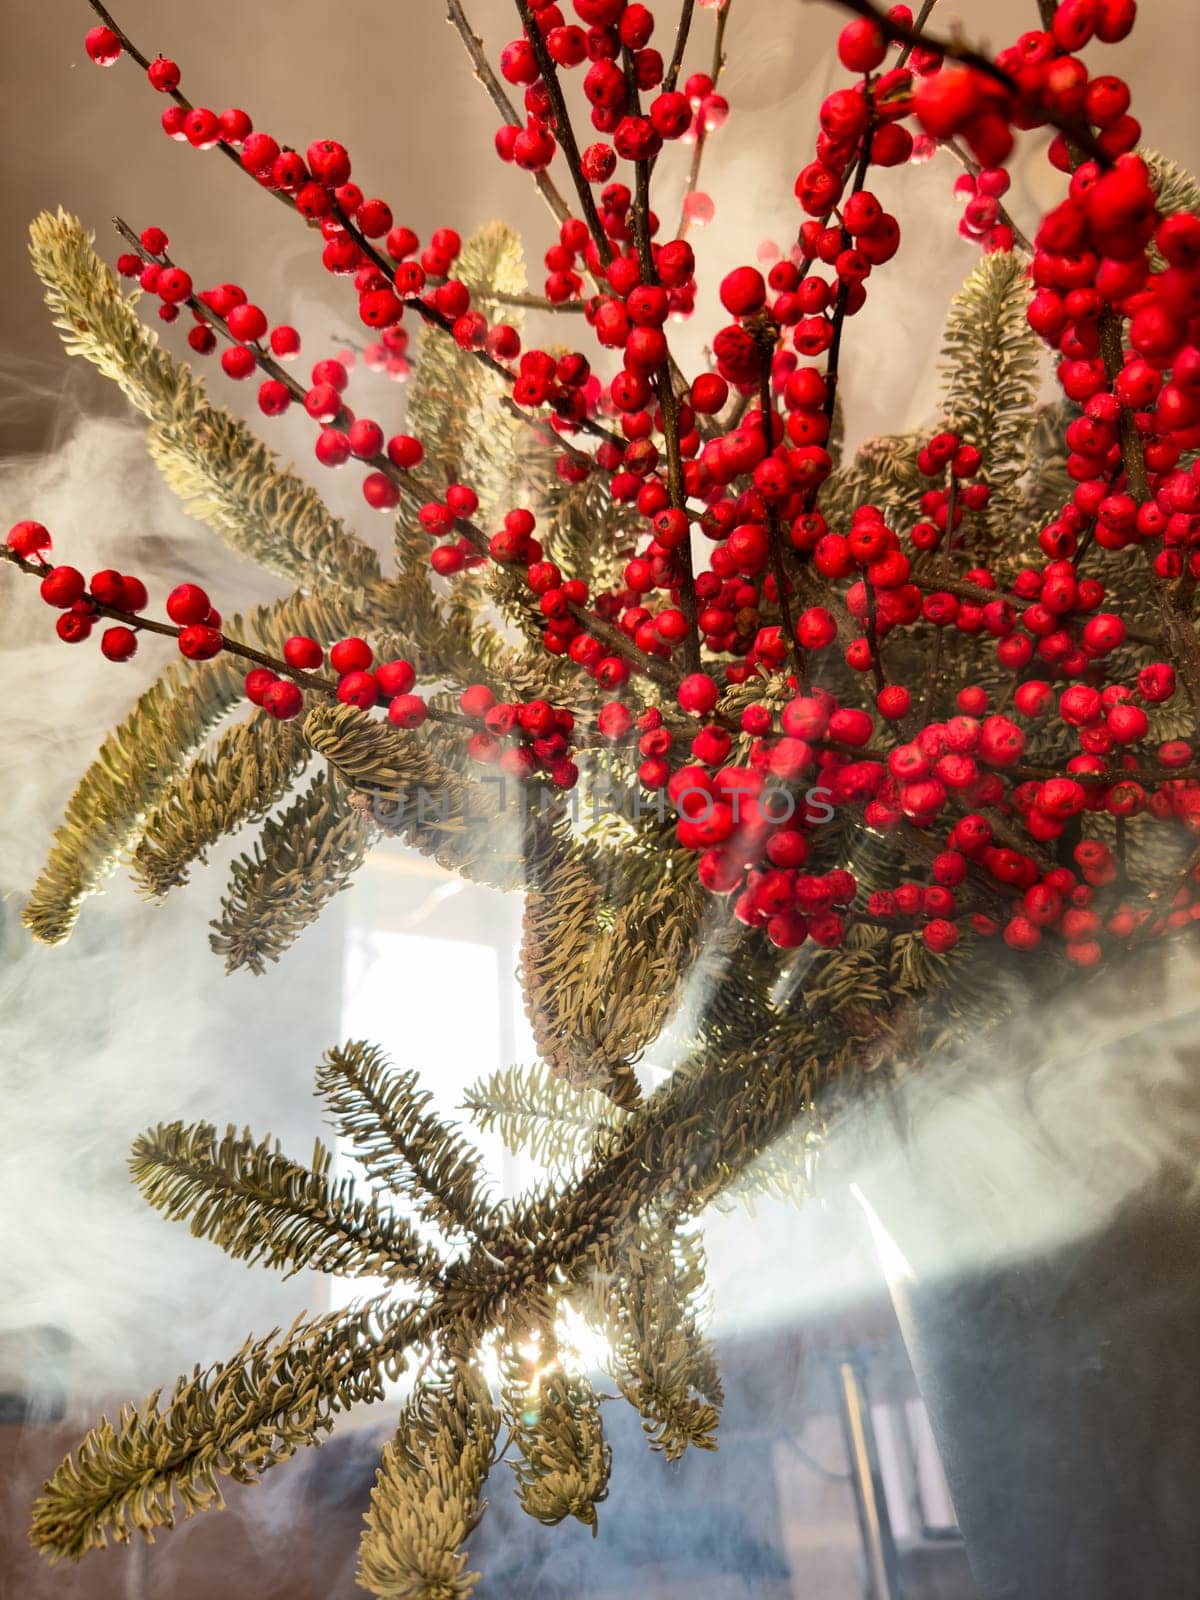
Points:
(109, 593)
(750, 788)
(622, 65)
(523, 740)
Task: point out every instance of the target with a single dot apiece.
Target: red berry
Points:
(698, 694)
(27, 538)
(395, 678)
(62, 586)
(405, 451)
(358, 689)
(247, 323)
(940, 935)
(303, 653)
(861, 46)
(351, 655)
(73, 627)
(476, 700)
(285, 342)
(173, 285)
(119, 644)
(283, 700)
(108, 588)
(380, 492)
(188, 604)
(407, 711)
(103, 47)
(163, 74)
(199, 642)
(743, 291)
(258, 681)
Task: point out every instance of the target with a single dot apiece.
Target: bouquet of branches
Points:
(830, 763)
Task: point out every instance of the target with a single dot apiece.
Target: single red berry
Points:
(274, 398)
(303, 653)
(328, 162)
(108, 588)
(861, 46)
(247, 323)
(358, 689)
(27, 538)
(136, 596)
(103, 47)
(395, 678)
(380, 493)
(940, 935)
(285, 342)
(119, 644)
(173, 285)
(351, 655)
(407, 711)
(163, 74)
(199, 642)
(366, 438)
(476, 700)
(698, 694)
(405, 451)
(283, 700)
(187, 605)
(73, 627)
(62, 586)
(743, 291)
(202, 128)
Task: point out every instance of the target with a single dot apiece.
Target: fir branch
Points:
(401, 1144)
(252, 767)
(650, 1308)
(563, 1461)
(596, 1001)
(427, 1498)
(991, 359)
(485, 830)
(303, 858)
(260, 1206)
(536, 1112)
(230, 1420)
(143, 755)
(1175, 188)
(221, 471)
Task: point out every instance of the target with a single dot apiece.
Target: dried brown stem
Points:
(485, 74)
(718, 65)
(565, 131)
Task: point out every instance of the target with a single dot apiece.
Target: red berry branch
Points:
(1020, 840)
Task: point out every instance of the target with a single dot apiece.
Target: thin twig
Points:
(969, 164)
(473, 45)
(681, 38)
(565, 131)
(774, 532)
(718, 65)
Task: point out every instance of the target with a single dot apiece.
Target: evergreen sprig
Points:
(260, 1206)
(229, 1420)
(304, 856)
(427, 1498)
(221, 471)
(385, 1116)
(252, 767)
